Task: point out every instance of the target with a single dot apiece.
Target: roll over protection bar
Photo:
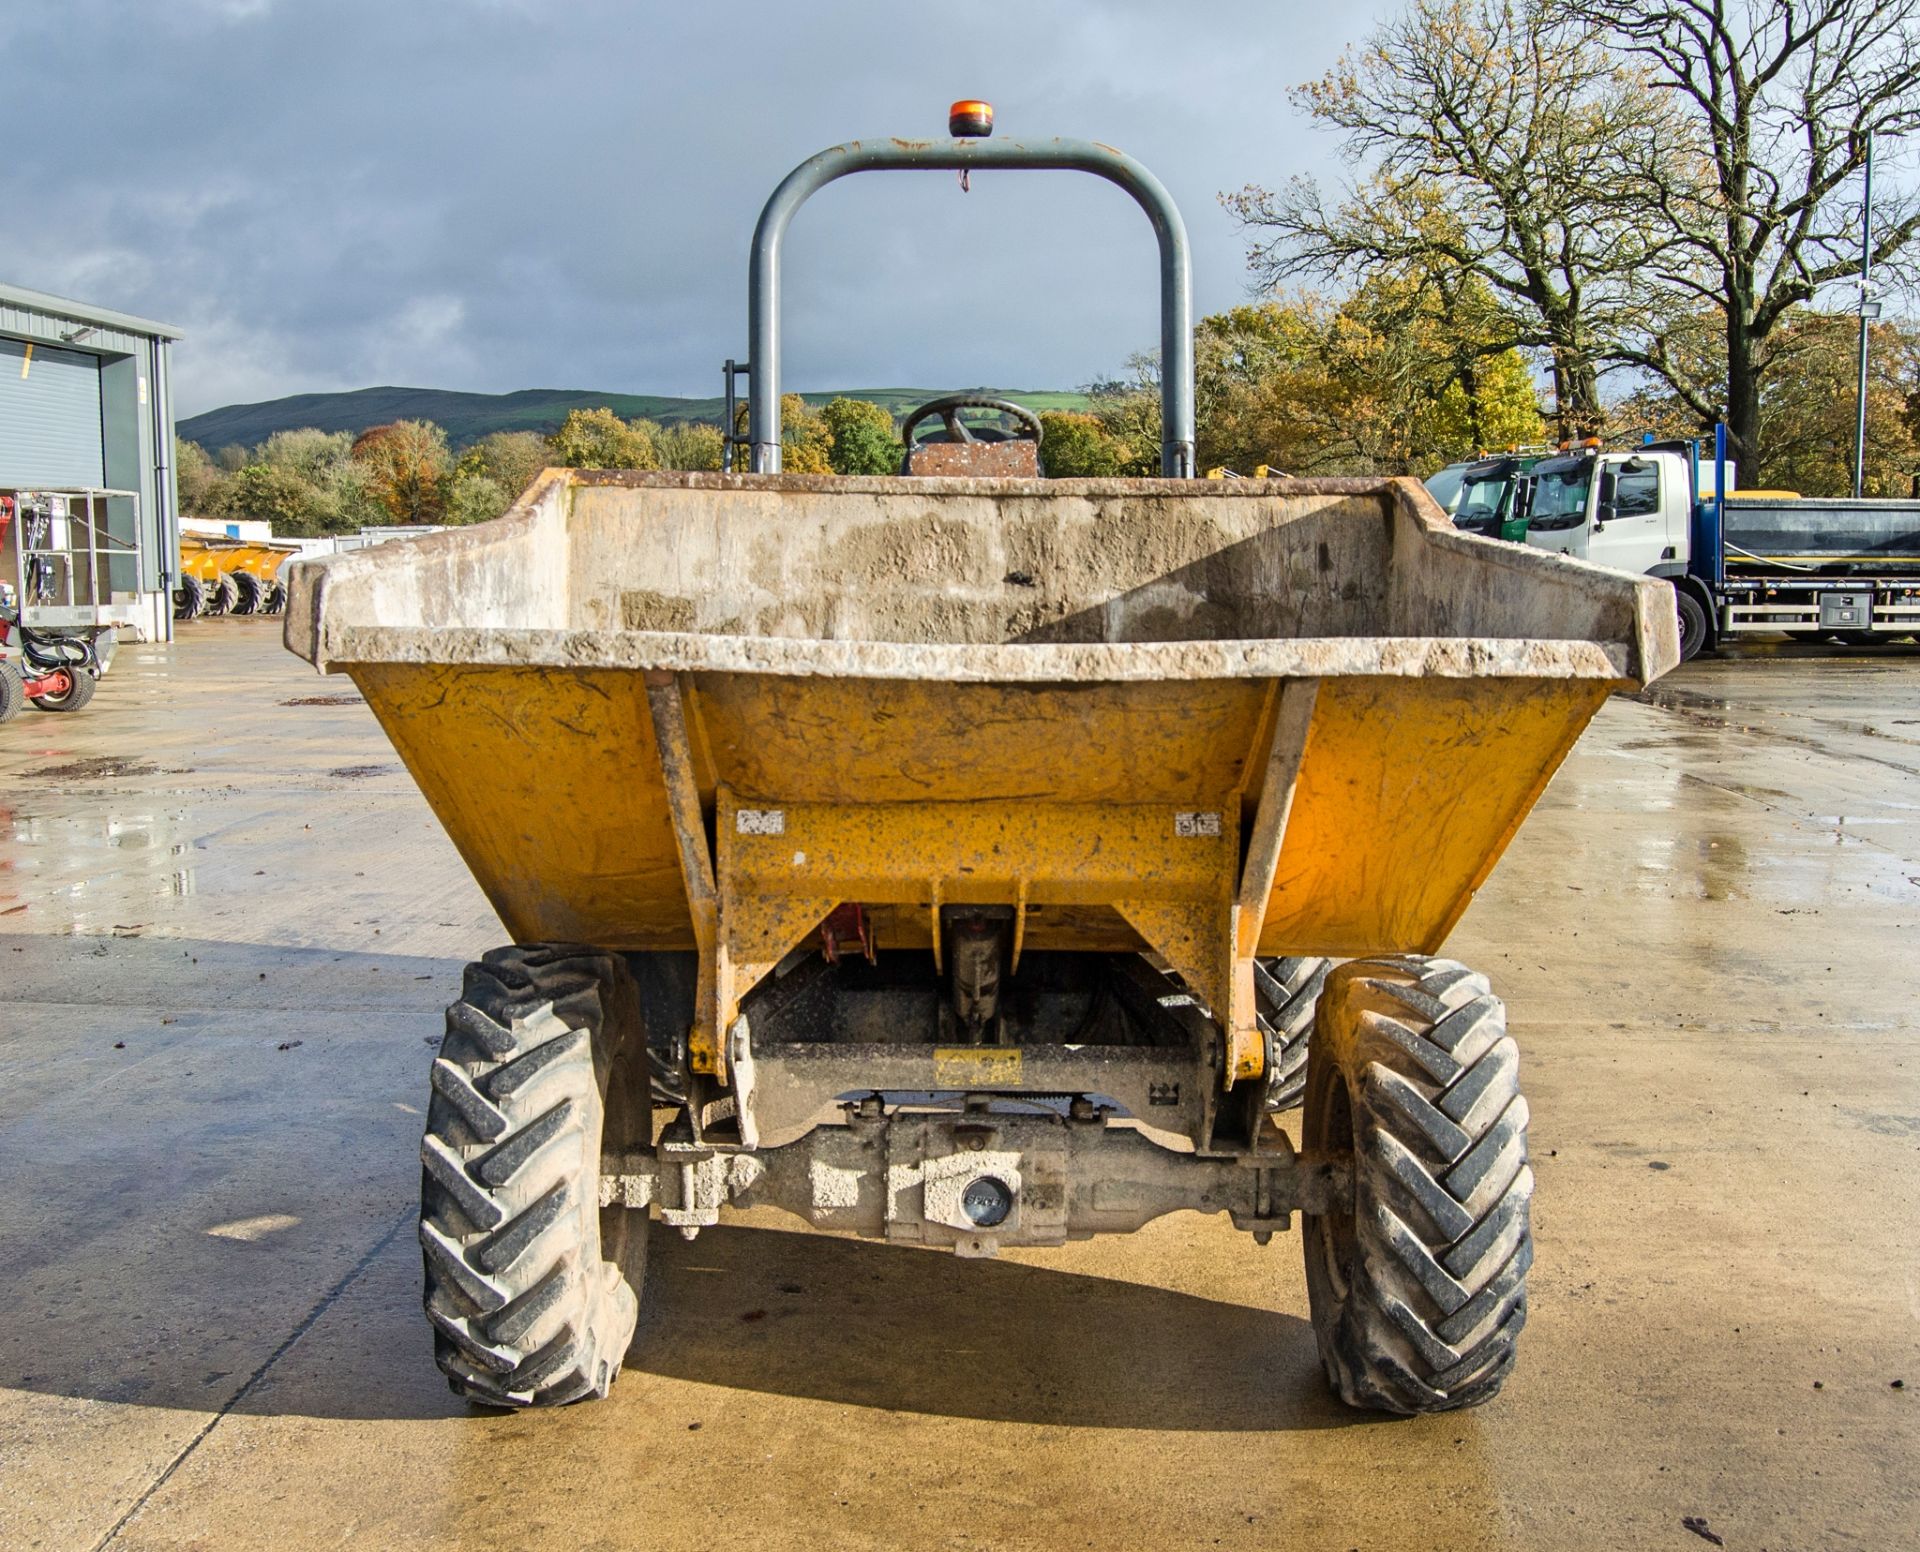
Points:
(1176, 276)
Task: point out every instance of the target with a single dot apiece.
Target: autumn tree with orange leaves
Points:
(408, 467)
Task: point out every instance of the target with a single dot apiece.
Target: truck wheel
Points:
(220, 595)
(1694, 629)
(248, 593)
(79, 690)
(1418, 1286)
(1285, 991)
(532, 1286)
(13, 691)
(189, 598)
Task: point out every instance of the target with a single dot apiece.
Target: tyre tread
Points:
(1432, 1306)
(525, 1311)
(1286, 992)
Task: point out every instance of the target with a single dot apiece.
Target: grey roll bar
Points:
(1176, 277)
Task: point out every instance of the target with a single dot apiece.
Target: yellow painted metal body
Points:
(1066, 802)
(647, 791)
(206, 557)
(203, 558)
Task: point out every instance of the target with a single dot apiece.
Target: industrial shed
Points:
(86, 461)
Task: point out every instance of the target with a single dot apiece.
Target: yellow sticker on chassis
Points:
(976, 1067)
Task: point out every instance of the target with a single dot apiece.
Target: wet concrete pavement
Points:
(227, 926)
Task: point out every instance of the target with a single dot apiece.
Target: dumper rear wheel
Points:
(189, 598)
(1285, 992)
(527, 1307)
(1419, 1287)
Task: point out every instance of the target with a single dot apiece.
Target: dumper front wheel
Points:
(1419, 1286)
(524, 1281)
(189, 598)
(1285, 993)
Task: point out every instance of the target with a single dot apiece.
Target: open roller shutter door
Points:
(49, 418)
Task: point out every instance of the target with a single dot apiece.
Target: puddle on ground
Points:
(1674, 697)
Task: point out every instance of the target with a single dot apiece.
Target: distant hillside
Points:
(467, 417)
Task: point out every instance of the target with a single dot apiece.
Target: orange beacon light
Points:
(970, 120)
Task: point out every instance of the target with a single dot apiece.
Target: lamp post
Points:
(1869, 310)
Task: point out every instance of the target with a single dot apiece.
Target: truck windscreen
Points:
(1484, 496)
(1444, 487)
(1560, 494)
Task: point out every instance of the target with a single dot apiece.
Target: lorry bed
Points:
(1883, 535)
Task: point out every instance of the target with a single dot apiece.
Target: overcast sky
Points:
(500, 194)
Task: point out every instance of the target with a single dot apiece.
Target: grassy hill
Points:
(467, 417)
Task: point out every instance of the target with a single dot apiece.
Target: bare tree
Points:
(1784, 95)
(1493, 140)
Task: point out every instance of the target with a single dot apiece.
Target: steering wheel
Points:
(949, 408)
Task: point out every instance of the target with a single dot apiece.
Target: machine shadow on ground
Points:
(261, 1091)
(791, 1314)
(906, 1329)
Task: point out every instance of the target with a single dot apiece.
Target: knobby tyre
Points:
(1286, 992)
(531, 1285)
(1418, 1288)
(189, 598)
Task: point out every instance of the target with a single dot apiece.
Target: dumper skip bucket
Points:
(1207, 720)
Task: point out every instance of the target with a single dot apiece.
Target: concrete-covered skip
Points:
(1208, 720)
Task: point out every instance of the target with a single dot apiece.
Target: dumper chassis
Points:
(963, 862)
(544, 1164)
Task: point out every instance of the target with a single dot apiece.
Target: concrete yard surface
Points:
(228, 926)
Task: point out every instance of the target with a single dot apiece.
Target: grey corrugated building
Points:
(86, 419)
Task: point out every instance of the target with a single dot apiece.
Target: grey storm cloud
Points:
(500, 194)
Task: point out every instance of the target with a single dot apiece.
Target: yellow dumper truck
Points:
(229, 576)
(956, 861)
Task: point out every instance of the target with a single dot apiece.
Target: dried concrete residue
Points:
(926, 551)
(959, 566)
(1113, 663)
(978, 567)
(648, 610)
